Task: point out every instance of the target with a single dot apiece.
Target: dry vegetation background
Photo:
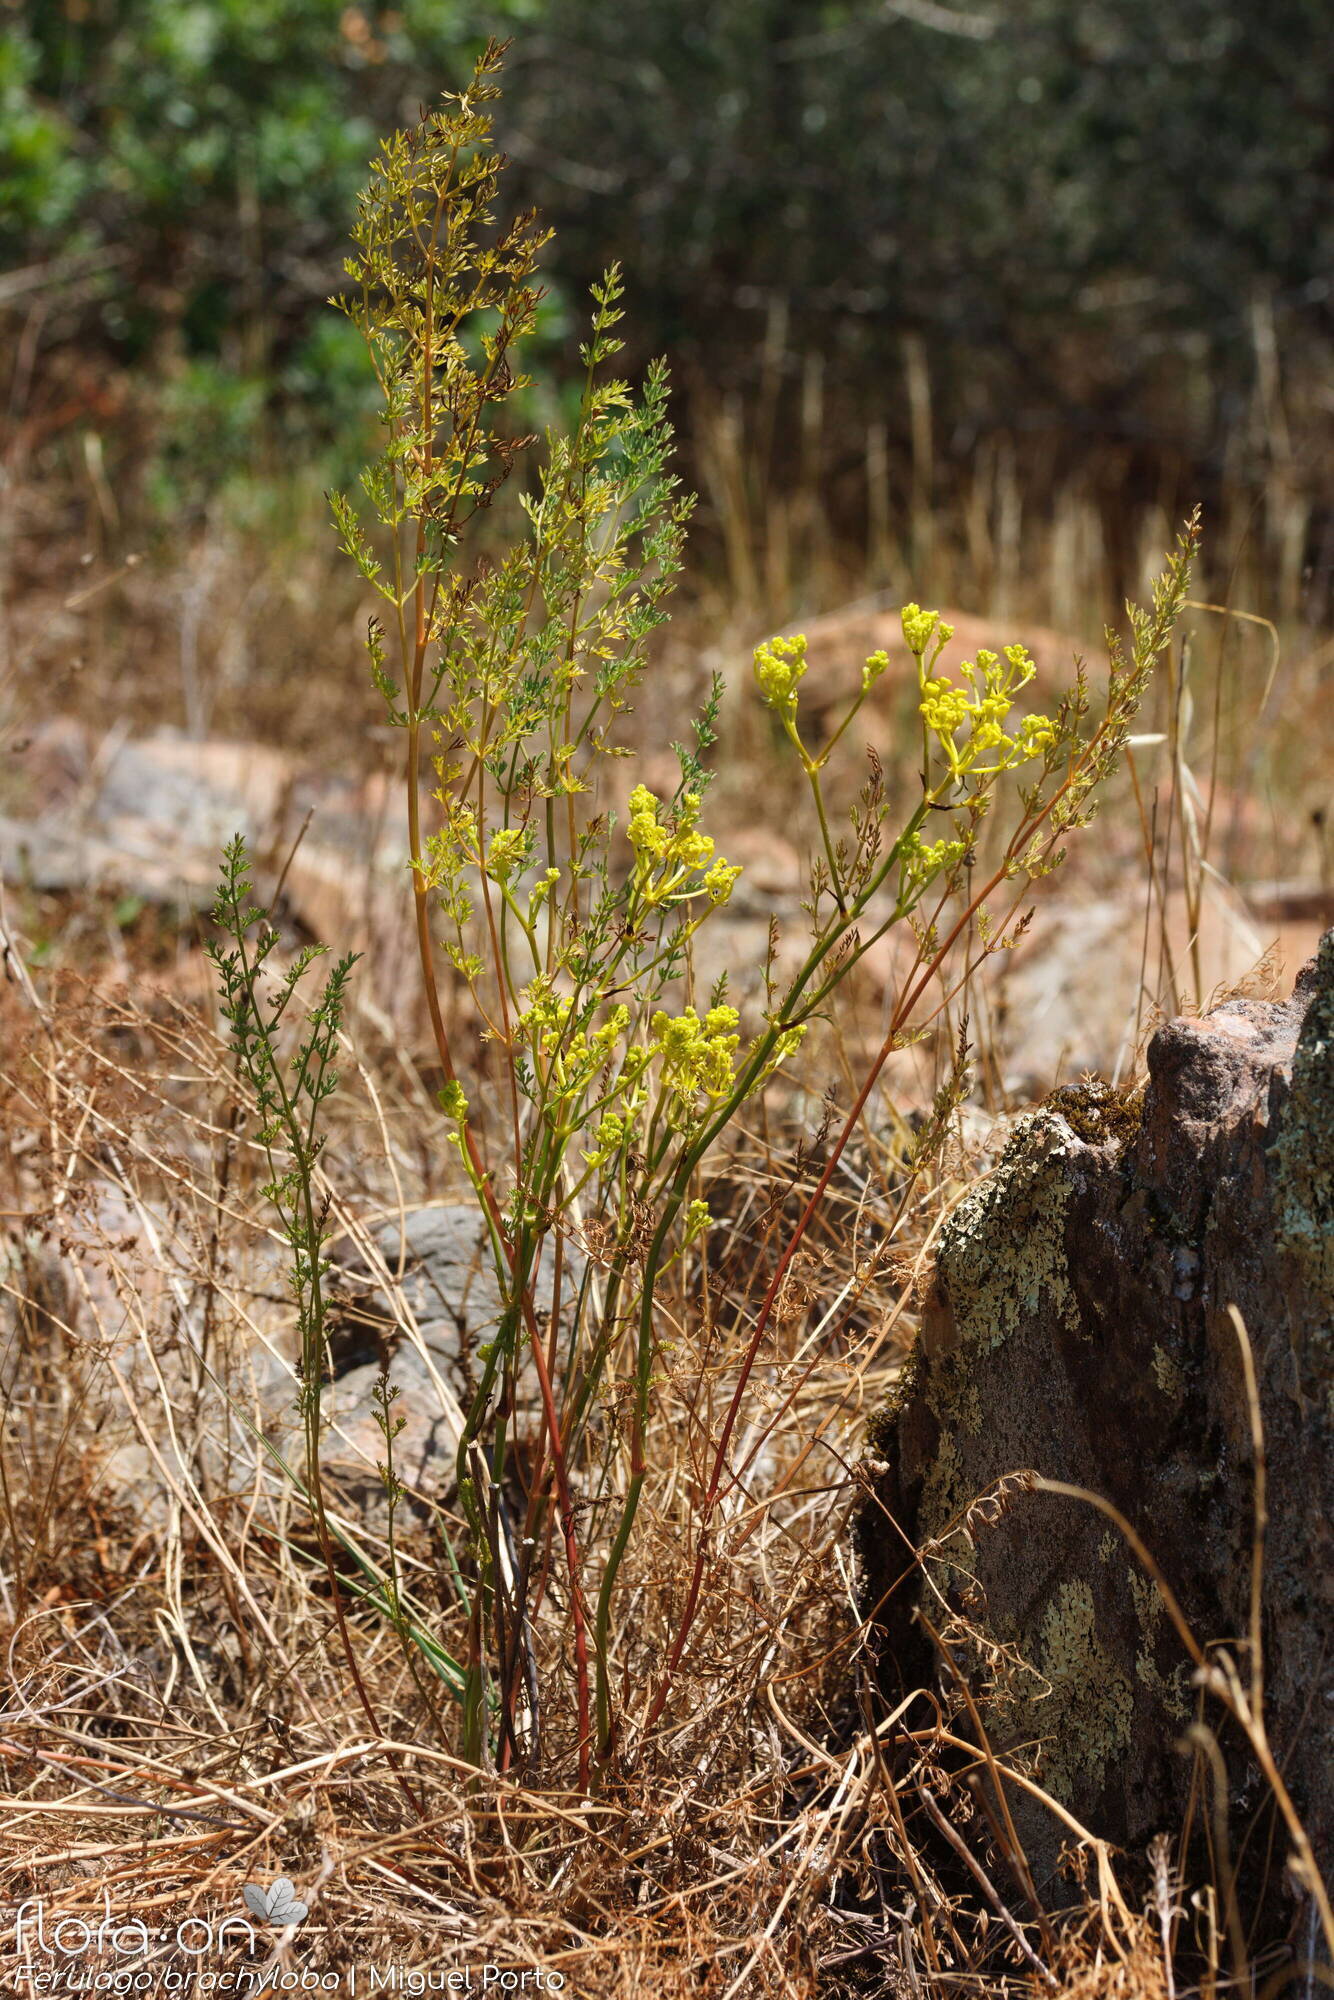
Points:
(180, 655)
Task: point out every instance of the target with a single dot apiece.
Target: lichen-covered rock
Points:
(1079, 1327)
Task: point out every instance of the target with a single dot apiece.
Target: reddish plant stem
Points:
(902, 1014)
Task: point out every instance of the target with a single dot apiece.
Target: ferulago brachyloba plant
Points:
(572, 933)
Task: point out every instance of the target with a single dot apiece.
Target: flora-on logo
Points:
(277, 1905)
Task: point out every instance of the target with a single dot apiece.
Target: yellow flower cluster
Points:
(453, 1102)
(779, 665)
(698, 1059)
(984, 703)
(944, 707)
(629, 1093)
(608, 1139)
(667, 857)
(697, 1220)
(698, 1055)
(509, 850)
(921, 627)
(1036, 734)
(925, 859)
(576, 1057)
(876, 665)
(787, 1044)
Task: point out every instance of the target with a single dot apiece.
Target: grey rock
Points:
(448, 1297)
(447, 1286)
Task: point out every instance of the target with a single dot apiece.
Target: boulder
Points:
(1078, 1326)
(421, 1300)
(147, 819)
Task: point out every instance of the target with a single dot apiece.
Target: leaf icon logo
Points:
(278, 1905)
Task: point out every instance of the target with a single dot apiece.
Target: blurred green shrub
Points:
(174, 175)
(1079, 211)
(216, 142)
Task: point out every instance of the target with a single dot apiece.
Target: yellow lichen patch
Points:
(1147, 1601)
(1303, 1156)
(1003, 1256)
(1084, 1722)
(955, 1395)
(1168, 1374)
(943, 1494)
(1170, 1690)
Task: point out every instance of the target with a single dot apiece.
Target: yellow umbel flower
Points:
(697, 1220)
(698, 1055)
(453, 1102)
(508, 850)
(720, 880)
(675, 862)
(645, 834)
(919, 628)
(779, 665)
(984, 704)
(607, 1140)
(944, 708)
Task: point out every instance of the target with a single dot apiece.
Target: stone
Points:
(148, 818)
(426, 1326)
(1078, 1326)
(91, 1296)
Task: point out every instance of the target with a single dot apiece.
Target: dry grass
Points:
(176, 1717)
(177, 1713)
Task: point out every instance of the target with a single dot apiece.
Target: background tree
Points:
(1103, 230)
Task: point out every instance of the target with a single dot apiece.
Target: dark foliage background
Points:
(1097, 235)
